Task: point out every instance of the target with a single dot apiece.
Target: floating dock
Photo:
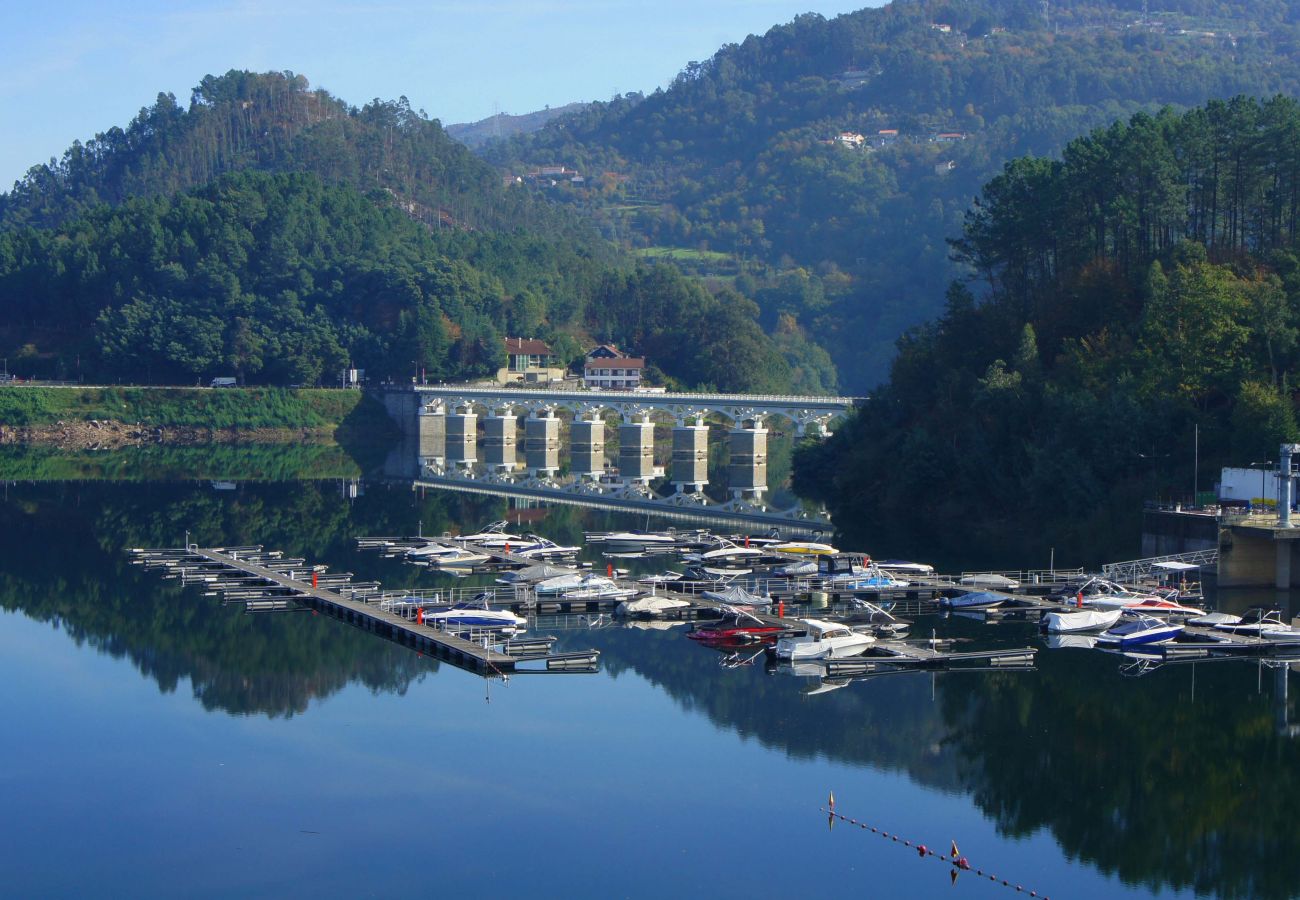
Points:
(291, 582)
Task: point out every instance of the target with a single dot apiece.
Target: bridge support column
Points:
(542, 443)
(462, 438)
(636, 450)
(748, 471)
(431, 435)
(690, 456)
(500, 434)
(587, 447)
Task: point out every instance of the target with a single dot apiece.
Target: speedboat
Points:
(1140, 629)
(864, 578)
(1078, 620)
(1108, 595)
(662, 578)
(740, 629)
(1211, 620)
(630, 541)
(824, 640)
(537, 547)
(1162, 606)
(474, 614)
(493, 535)
(651, 606)
(990, 580)
(583, 586)
(724, 554)
(737, 596)
(974, 600)
(903, 567)
(1256, 620)
(532, 574)
(815, 548)
(796, 569)
(444, 556)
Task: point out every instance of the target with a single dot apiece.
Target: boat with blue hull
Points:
(1140, 630)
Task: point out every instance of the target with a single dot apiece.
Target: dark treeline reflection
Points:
(1138, 777)
(1181, 779)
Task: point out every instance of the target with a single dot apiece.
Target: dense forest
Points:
(738, 164)
(1140, 310)
(273, 233)
(280, 278)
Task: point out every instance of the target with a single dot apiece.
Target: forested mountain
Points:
(273, 232)
(281, 278)
(845, 239)
(1142, 309)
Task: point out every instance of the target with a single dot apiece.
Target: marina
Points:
(935, 719)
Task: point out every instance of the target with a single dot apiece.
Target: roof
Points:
(527, 346)
(618, 362)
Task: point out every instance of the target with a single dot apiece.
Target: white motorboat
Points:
(662, 578)
(494, 536)
(724, 554)
(651, 606)
(474, 614)
(1256, 621)
(532, 574)
(1080, 620)
(990, 581)
(799, 569)
(444, 556)
(537, 547)
(815, 548)
(634, 541)
(824, 640)
(583, 586)
(903, 567)
(1211, 620)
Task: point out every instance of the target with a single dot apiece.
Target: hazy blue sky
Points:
(78, 67)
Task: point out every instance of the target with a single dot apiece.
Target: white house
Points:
(608, 368)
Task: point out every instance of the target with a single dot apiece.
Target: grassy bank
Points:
(222, 462)
(182, 407)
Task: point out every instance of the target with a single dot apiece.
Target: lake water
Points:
(159, 744)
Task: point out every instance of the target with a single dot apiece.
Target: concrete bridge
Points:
(446, 420)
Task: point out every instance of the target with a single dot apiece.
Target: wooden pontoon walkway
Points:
(437, 644)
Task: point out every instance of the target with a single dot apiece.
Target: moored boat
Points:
(824, 640)
(474, 614)
(1074, 621)
(1140, 629)
(651, 606)
(974, 600)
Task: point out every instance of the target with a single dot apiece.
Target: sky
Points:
(82, 66)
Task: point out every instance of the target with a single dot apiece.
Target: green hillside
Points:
(272, 232)
(847, 242)
(1142, 315)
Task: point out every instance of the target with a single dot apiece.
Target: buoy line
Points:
(954, 858)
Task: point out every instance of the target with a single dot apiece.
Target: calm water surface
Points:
(158, 744)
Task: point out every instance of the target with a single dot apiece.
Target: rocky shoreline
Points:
(99, 434)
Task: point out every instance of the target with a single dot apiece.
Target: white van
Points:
(223, 382)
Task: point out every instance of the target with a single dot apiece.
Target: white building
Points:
(1249, 485)
(608, 368)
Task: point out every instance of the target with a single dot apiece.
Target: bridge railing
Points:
(637, 397)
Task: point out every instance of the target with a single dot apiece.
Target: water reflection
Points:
(1185, 778)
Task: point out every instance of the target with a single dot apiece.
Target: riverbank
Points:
(108, 418)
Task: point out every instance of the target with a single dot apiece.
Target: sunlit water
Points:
(159, 744)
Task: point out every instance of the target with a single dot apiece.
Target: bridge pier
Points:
(500, 435)
(747, 474)
(431, 434)
(462, 438)
(636, 450)
(587, 447)
(542, 443)
(690, 455)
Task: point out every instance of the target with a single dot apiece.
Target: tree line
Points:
(1133, 306)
